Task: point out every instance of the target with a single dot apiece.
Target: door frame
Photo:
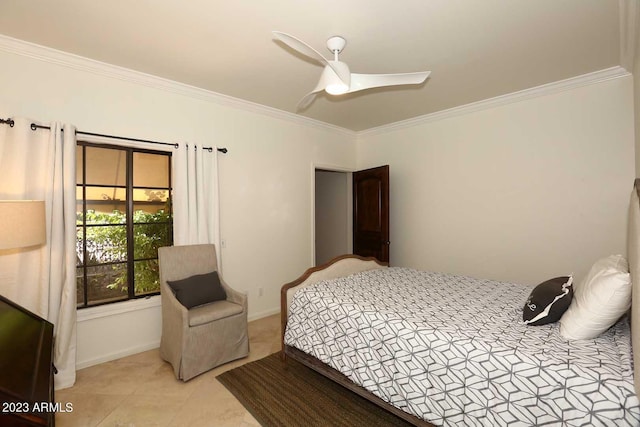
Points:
(349, 213)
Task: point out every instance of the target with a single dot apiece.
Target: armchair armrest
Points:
(234, 296)
(174, 308)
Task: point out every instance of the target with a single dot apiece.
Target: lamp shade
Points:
(22, 223)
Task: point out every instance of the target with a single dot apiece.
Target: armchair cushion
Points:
(198, 290)
(211, 312)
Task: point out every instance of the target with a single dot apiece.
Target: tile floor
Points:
(141, 390)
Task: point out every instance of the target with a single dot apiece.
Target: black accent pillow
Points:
(199, 289)
(548, 301)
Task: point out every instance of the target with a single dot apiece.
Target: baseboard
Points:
(262, 314)
(155, 344)
(62, 381)
(117, 355)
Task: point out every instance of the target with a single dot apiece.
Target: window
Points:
(123, 215)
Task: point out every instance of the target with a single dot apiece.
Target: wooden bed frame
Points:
(349, 264)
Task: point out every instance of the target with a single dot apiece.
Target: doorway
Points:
(333, 214)
(350, 213)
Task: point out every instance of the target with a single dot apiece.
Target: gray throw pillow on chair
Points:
(198, 290)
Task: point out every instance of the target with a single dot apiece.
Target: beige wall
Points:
(521, 192)
(265, 180)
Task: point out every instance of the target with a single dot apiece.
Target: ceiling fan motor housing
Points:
(331, 81)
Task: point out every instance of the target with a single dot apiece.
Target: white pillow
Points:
(599, 300)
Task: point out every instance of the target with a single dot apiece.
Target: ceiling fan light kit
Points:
(336, 78)
(338, 88)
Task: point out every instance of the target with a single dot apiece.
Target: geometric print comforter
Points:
(454, 351)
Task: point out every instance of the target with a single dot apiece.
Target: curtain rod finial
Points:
(9, 122)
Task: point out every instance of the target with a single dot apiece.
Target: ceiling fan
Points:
(336, 79)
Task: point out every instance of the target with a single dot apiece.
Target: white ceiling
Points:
(476, 49)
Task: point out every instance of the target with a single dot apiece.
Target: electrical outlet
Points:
(260, 292)
(223, 243)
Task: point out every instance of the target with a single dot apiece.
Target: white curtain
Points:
(41, 165)
(196, 209)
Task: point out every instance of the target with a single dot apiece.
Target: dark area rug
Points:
(279, 393)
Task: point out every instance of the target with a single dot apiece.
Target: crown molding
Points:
(534, 92)
(69, 60)
(76, 62)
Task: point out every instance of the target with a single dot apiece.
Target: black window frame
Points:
(129, 225)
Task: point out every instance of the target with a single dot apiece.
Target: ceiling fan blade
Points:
(368, 81)
(308, 98)
(300, 46)
(305, 49)
(306, 101)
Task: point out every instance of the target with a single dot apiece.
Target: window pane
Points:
(79, 160)
(118, 207)
(150, 208)
(150, 170)
(95, 217)
(79, 247)
(159, 217)
(104, 199)
(146, 277)
(106, 283)
(148, 238)
(79, 287)
(106, 166)
(106, 244)
(79, 213)
(148, 195)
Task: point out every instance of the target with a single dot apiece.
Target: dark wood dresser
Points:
(26, 368)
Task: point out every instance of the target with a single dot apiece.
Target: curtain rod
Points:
(34, 126)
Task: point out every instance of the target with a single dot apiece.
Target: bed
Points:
(437, 357)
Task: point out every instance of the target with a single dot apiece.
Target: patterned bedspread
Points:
(454, 351)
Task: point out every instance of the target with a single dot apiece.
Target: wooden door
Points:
(371, 213)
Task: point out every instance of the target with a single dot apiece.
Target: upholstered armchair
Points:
(204, 336)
